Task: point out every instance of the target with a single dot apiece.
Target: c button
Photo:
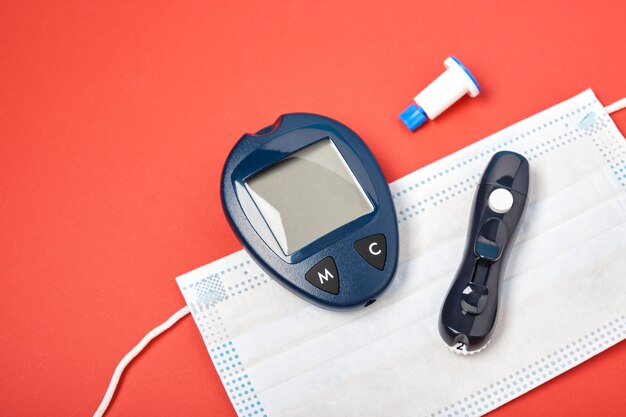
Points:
(373, 249)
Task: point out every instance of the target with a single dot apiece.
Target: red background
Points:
(115, 119)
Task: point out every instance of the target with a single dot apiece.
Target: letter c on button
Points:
(371, 249)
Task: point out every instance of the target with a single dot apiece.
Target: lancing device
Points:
(469, 312)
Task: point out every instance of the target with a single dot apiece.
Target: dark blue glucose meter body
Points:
(311, 206)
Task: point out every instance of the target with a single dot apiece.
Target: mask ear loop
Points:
(618, 105)
(115, 379)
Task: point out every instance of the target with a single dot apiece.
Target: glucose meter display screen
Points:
(307, 195)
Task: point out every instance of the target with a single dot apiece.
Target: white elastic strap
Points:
(618, 105)
(115, 379)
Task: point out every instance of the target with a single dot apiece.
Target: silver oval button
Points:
(500, 200)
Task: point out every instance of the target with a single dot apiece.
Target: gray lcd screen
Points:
(307, 195)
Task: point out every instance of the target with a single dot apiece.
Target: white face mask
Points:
(563, 300)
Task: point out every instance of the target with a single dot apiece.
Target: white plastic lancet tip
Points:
(473, 89)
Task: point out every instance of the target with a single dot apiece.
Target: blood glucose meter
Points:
(309, 202)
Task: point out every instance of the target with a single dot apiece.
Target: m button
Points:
(324, 275)
(373, 249)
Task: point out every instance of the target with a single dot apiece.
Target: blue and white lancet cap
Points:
(445, 90)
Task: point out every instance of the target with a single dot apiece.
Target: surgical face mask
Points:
(563, 300)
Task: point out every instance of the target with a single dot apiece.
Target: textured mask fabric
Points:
(563, 296)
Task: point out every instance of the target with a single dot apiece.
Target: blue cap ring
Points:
(469, 74)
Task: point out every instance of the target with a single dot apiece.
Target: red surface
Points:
(115, 118)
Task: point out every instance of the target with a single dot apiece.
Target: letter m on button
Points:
(324, 276)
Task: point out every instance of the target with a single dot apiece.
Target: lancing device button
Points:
(500, 200)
